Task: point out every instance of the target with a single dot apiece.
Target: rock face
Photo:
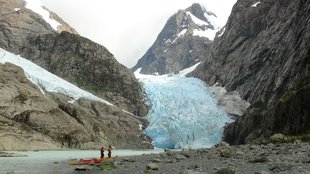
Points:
(264, 55)
(88, 65)
(70, 56)
(32, 120)
(178, 46)
(18, 23)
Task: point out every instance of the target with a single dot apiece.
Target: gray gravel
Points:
(247, 159)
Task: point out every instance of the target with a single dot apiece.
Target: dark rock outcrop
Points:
(87, 65)
(289, 116)
(263, 55)
(177, 47)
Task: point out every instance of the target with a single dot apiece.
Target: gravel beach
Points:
(224, 159)
(244, 159)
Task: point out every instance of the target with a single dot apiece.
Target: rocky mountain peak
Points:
(18, 22)
(186, 21)
(200, 12)
(182, 42)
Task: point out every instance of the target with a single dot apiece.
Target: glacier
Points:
(183, 112)
(46, 80)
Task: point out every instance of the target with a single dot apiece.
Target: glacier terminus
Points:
(183, 112)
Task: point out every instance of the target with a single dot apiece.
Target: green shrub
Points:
(292, 139)
(225, 171)
(262, 106)
(107, 165)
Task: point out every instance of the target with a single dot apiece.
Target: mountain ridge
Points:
(84, 124)
(26, 33)
(179, 44)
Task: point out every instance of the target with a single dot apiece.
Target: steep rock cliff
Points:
(88, 65)
(263, 55)
(32, 120)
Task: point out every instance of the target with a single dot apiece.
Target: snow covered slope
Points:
(46, 80)
(183, 113)
(36, 6)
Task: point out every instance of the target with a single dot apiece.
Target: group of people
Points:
(109, 152)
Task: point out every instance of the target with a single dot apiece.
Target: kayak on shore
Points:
(87, 161)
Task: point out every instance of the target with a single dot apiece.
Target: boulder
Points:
(277, 138)
(227, 152)
(152, 166)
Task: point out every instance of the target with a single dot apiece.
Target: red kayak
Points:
(87, 162)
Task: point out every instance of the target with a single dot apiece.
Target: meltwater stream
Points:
(183, 112)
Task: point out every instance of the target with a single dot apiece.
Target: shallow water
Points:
(52, 162)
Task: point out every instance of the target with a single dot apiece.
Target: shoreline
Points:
(249, 158)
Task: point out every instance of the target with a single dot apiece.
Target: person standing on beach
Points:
(102, 152)
(109, 151)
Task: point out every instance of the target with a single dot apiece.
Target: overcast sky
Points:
(127, 28)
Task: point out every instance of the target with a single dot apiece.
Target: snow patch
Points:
(47, 80)
(71, 101)
(210, 34)
(42, 91)
(179, 35)
(186, 71)
(140, 127)
(16, 9)
(36, 6)
(222, 32)
(182, 32)
(255, 5)
(213, 20)
(196, 20)
(167, 41)
(161, 78)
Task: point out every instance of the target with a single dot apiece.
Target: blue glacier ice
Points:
(183, 112)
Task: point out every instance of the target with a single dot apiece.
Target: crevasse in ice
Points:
(183, 112)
